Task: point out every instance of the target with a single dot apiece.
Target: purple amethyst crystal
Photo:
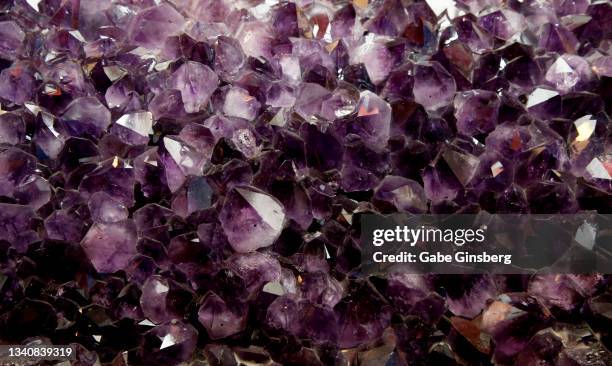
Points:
(16, 226)
(104, 208)
(476, 112)
(110, 247)
(568, 73)
(187, 182)
(150, 27)
(402, 194)
(86, 117)
(12, 39)
(220, 318)
(171, 343)
(251, 218)
(196, 82)
(17, 83)
(434, 87)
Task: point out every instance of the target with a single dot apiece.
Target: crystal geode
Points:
(183, 182)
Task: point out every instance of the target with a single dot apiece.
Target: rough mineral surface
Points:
(181, 181)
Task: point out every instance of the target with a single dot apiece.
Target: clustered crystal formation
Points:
(182, 182)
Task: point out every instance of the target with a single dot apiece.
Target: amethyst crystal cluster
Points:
(181, 182)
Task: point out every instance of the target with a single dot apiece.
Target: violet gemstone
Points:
(17, 224)
(373, 121)
(105, 209)
(510, 312)
(171, 343)
(196, 82)
(309, 100)
(239, 103)
(179, 160)
(155, 300)
(402, 194)
(86, 117)
(12, 129)
(110, 247)
(134, 128)
(186, 182)
(17, 84)
(229, 57)
(16, 166)
(502, 23)
(434, 87)
(222, 319)
(251, 219)
(255, 268)
(150, 27)
(64, 225)
(12, 38)
(476, 112)
(568, 73)
(34, 191)
(113, 176)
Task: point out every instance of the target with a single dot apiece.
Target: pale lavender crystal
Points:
(280, 95)
(321, 288)
(474, 296)
(603, 66)
(229, 57)
(377, 59)
(64, 225)
(16, 224)
(434, 87)
(402, 193)
(557, 38)
(12, 129)
(103, 208)
(134, 128)
(198, 136)
(121, 94)
(245, 141)
(154, 299)
(568, 73)
(15, 168)
(86, 117)
(174, 342)
(11, 39)
(503, 23)
(255, 268)
(196, 82)
(35, 191)
(180, 160)
(221, 126)
(309, 100)
(476, 111)
(251, 219)
(110, 247)
(239, 103)
(256, 39)
(222, 319)
(195, 195)
(17, 84)
(373, 120)
(69, 75)
(113, 176)
(470, 33)
(50, 134)
(342, 102)
(150, 27)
